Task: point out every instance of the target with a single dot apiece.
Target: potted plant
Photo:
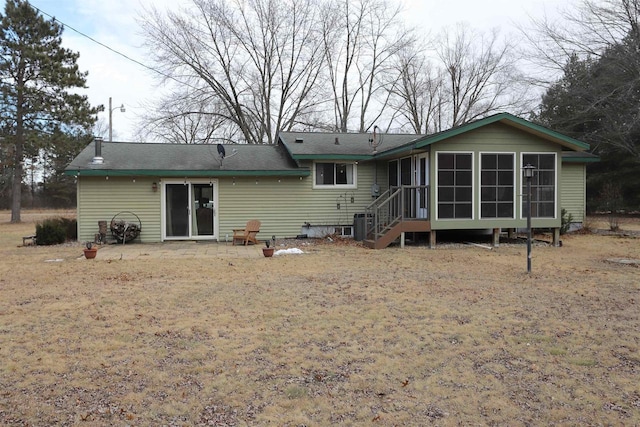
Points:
(267, 251)
(89, 251)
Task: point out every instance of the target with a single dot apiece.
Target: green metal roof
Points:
(127, 159)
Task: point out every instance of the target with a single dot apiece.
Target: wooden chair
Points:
(248, 233)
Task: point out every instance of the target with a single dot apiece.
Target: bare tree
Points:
(466, 75)
(480, 75)
(586, 31)
(417, 96)
(261, 60)
(361, 39)
(101, 128)
(186, 119)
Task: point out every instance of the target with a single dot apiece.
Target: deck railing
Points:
(408, 202)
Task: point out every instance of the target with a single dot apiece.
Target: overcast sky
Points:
(114, 24)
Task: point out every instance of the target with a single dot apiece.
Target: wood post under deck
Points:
(495, 241)
(556, 237)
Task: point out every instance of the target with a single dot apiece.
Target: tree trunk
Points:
(16, 189)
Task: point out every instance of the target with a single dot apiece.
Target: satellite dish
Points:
(376, 139)
(222, 154)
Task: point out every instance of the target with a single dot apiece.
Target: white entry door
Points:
(189, 210)
(422, 179)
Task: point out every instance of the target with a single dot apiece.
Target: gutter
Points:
(185, 173)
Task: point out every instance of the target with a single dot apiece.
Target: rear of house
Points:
(467, 178)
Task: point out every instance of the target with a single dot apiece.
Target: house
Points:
(313, 183)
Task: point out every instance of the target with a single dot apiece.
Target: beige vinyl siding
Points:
(572, 190)
(492, 138)
(285, 204)
(100, 199)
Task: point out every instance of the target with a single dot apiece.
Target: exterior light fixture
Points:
(154, 187)
(527, 173)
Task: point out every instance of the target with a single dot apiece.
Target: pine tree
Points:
(597, 101)
(36, 73)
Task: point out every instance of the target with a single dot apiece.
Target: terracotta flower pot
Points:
(268, 251)
(90, 253)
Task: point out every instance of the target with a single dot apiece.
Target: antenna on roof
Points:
(376, 139)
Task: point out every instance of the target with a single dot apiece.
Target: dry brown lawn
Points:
(338, 335)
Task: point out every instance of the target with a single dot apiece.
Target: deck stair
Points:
(397, 211)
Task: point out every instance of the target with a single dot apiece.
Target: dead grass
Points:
(341, 334)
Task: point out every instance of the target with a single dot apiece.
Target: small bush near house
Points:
(71, 228)
(53, 231)
(566, 219)
(588, 225)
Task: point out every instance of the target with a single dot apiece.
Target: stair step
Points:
(371, 244)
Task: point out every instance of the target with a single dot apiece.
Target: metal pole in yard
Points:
(528, 174)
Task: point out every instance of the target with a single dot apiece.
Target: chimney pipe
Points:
(97, 158)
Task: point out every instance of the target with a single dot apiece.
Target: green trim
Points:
(502, 117)
(580, 159)
(174, 173)
(286, 148)
(547, 131)
(406, 149)
(333, 157)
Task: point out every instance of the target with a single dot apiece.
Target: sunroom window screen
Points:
(496, 185)
(455, 185)
(543, 191)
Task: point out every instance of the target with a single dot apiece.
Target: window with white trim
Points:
(543, 185)
(335, 175)
(497, 185)
(455, 185)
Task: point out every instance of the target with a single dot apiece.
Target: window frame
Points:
(354, 166)
(513, 185)
(535, 186)
(471, 201)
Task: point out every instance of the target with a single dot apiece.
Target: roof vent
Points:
(97, 158)
(337, 141)
(299, 140)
